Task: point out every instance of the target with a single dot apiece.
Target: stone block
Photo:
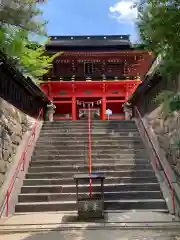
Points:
(1, 179)
(90, 208)
(13, 125)
(3, 167)
(168, 135)
(6, 154)
(16, 139)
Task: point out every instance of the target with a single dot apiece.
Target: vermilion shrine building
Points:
(96, 71)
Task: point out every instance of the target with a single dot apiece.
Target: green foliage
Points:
(170, 102)
(11, 41)
(159, 29)
(165, 95)
(34, 61)
(17, 22)
(177, 144)
(139, 46)
(23, 14)
(164, 98)
(174, 102)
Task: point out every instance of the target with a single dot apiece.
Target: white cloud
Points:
(124, 11)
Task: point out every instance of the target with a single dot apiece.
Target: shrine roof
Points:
(77, 43)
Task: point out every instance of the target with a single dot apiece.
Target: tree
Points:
(28, 56)
(159, 28)
(34, 61)
(22, 14)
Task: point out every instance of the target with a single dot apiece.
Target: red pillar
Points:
(74, 109)
(49, 92)
(127, 93)
(103, 109)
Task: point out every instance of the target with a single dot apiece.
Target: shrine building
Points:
(99, 72)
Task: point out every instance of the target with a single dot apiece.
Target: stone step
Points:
(101, 141)
(66, 162)
(111, 149)
(50, 137)
(85, 130)
(99, 129)
(96, 187)
(71, 181)
(84, 168)
(122, 173)
(101, 122)
(111, 137)
(93, 122)
(46, 197)
(108, 205)
(79, 134)
(83, 157)
(116, 151)
(95, 146)
(85, 124)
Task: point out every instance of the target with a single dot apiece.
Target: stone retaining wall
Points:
(13, 125)
(168, 135)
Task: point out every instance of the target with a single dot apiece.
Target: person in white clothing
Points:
(108, 113)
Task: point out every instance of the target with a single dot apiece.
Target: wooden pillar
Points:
(74, 117)
(127, 92)
(103, 109)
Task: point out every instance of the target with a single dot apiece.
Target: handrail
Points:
(90, 148)
(157, 160)
(21, 162)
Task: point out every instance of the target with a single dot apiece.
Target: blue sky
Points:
(90, 17)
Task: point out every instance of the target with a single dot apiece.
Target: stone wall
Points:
(13, 125)
(168, 135)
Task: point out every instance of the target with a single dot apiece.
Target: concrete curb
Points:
(170, 226)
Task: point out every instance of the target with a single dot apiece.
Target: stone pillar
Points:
(50, 111)
(127, 110)
(74, 117)
(103, 109)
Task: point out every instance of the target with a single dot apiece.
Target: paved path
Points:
(52, 226)
(93, 235)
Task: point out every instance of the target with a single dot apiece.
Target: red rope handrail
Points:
(90, 149)
(21, 162)
(157, 160)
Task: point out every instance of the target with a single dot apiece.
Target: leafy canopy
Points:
(18, 21)
(22, 14)
(159, 28)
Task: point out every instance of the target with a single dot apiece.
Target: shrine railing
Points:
(90, 147)
(157, 161)
(20, 165)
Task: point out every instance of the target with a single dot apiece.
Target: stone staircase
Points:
(117, 151)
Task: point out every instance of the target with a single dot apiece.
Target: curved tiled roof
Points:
(88, 42)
